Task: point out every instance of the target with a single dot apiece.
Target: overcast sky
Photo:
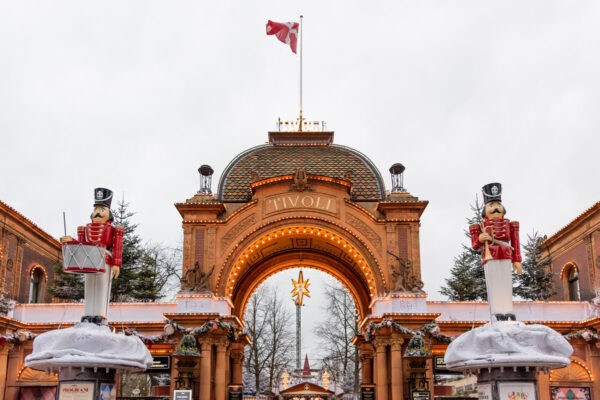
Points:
(136, 95)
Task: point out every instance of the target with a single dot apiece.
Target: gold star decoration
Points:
(300, 289)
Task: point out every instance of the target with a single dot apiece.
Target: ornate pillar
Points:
(220, 370)
(382, 384)
(237, 356)
(205, 369)
(4, 368)
(366, 359)
(397, 378)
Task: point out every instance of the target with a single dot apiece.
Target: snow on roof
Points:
(524, 310)
(72, 312)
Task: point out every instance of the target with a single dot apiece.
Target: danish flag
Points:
(286, 32)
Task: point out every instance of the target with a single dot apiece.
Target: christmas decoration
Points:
(300, 289)
(98, 243)
(432, 329)
(499, 239)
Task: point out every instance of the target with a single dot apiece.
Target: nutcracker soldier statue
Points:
(498, 238)
(99, 235)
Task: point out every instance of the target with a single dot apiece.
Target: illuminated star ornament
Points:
(300, 289)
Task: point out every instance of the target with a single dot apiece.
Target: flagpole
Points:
(301, 43)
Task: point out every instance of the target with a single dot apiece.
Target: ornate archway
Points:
(301, 243)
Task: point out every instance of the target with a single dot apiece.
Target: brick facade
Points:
(24, 247)
(577, 245)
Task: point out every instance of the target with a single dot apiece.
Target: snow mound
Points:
(511, 344)
(88, 345)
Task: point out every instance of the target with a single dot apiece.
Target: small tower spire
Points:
(306, 369)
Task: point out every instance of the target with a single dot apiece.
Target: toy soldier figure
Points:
(499, 238)
(100, 233)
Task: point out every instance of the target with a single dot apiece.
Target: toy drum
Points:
(81, 258)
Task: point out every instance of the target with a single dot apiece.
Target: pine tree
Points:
(66, 286)
(145, 286)
(536, 282)
(467, 277)
(123, 287)
(464, 283)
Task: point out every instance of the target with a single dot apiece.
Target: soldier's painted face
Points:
(100, 214)
(494, 209)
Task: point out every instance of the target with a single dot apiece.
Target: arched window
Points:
(35, 286)
(573, 283)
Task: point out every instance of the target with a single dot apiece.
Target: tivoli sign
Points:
(313, 201)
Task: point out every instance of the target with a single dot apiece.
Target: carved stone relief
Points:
(365, 230)
(236, 230)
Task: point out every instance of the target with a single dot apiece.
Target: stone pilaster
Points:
(237, 356)
(205, 369)
(220, 371)
(381, 360)
(397, 376)
(4, 368)
(366, 359)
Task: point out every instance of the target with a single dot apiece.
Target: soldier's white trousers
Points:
(97, 293)
(498, 279)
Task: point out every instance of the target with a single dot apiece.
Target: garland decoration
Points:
(147, 339)
(416, 347)
(17, 337)
(208, 326)
(587, 334)
(171, 327)
(432, 329)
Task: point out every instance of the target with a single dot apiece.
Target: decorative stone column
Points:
(237, 356)
(205, 368)
(220, 370)
(366, 359)
(3, 367)
(381, 358)
(397, 378)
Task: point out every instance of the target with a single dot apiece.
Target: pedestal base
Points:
(88, 345)
(500, 383)
(86, 383)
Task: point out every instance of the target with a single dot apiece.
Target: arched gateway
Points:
(302, 201)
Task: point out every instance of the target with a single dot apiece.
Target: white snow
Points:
(511, 344)
(72, 312)
(88, 345)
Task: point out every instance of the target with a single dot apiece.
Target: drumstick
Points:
(65, 223)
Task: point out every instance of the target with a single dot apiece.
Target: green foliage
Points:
(467, 278)
(123, 287)
(66, 286)
(536, 282)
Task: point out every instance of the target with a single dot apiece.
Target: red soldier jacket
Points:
(105, 235)
(505, 245)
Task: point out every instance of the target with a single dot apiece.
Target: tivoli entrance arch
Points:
(302, 201)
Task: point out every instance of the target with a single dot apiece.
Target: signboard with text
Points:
(76, 391)
(160, 364)
(420, 395)
(235, 392)
(484, 391)
(439, 366)
(182, 395)
(516, 391)
(367, 392)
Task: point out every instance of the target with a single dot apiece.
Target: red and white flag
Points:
(286, 32)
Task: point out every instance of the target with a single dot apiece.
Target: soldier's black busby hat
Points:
(492, 192)
(103, 197)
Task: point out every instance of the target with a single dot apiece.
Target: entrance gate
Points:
(301, 201)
